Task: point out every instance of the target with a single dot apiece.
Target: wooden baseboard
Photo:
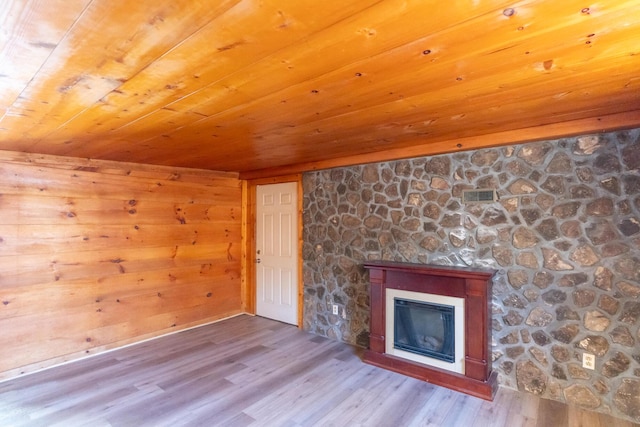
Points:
(483, 389)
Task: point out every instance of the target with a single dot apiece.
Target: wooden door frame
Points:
(248, 273)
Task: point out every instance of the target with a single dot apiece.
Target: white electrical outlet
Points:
(588, 361)
(335, 308)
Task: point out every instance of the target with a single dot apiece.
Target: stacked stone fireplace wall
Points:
(564, 237)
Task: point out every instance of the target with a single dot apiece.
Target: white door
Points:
(277, 252)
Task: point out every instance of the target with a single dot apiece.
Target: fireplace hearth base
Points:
(474, 285)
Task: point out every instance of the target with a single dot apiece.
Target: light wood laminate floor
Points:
(250, 371)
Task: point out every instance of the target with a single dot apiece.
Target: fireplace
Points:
(425, 328)
(432, 323)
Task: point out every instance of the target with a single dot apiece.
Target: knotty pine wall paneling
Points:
(95, 255)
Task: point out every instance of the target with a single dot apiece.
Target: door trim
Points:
(248, 274)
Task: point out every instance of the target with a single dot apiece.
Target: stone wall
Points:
(564, 237)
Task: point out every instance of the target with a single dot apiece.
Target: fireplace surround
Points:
(405, 282)
(425, 328)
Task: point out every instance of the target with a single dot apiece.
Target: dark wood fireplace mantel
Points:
(474, 285)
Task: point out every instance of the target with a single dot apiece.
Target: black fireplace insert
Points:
(424, 328)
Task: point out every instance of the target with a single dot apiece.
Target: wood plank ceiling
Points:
(249, 85)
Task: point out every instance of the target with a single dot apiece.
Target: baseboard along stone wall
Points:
(564, 236)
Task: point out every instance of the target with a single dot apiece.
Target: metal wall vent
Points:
(479, 196)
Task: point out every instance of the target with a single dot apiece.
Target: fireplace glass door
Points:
(425, 328)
